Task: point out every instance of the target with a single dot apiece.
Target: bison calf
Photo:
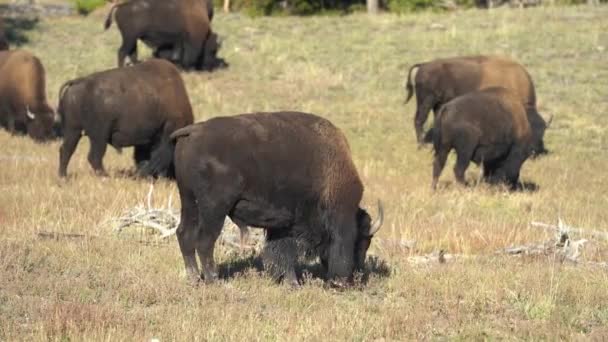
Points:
(136, 106)
(488, 127)
(287, 172)
(439, 81)
(23, 105)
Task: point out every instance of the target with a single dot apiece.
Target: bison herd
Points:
(243, 166)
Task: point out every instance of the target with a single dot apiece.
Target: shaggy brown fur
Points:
(135, 106)
(488, 127)
(441, 80)
(287, 172)
(23, 90)
(177, 30)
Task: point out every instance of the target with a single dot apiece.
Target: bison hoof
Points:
(208, 278)
(338, 284)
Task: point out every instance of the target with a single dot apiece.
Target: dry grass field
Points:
(350, 69)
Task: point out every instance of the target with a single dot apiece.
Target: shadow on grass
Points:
(526, 187)
(307, 272)
(15, 28)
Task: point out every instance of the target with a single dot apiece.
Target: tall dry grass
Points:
(351, 70)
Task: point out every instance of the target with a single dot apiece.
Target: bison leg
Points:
(438, 164)
(280, 256)
(70, 140)
(10, 125)
(341, 251)
(190, 53)
(141, 154)
(214, 203)
(244, 230)
(187, 234)
(96, 153)
(511, 166)
(464, 151)
(424, 104)
(209, 229)
(128, 48)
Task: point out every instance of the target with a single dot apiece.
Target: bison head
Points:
(538, 125)
(366, 230)
(208, 59)
(42, 126)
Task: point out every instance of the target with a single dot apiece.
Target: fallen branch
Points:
(165, 221)
(563, 228)
(57, 236)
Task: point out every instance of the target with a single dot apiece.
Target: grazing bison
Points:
(23, 105)
(439, 81)
(3, 40)
(136, 106)
(177, 30)
(488, 127)
(287, 172)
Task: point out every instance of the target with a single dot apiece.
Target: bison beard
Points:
(287, 172)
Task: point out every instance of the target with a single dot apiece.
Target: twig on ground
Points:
(564, 228)
(165, 221)
(57, 236)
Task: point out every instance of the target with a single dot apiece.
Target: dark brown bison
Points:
(136, 106)
(489, 127)
(23, 105)
(176, 30)
(287, 172)
(441, 80)
(3, 40)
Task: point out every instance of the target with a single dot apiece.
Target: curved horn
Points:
(29, 114)
(550, 120)
(56, 116)
(378, 221)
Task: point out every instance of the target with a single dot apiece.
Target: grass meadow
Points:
(351, 70)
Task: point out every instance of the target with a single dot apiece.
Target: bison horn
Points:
(56, 116)
(549, 120)
(377, 222)
(29, 114)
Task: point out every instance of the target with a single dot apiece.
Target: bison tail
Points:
(108, 21)
(182, 132)
(409, 88)
(161, 161)
(63, 88)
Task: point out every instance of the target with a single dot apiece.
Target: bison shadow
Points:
(307, 271)
(526, 186)
(522, 186)
(14, 29)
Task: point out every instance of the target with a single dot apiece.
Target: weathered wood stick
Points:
(591, 233)
(57, 236)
